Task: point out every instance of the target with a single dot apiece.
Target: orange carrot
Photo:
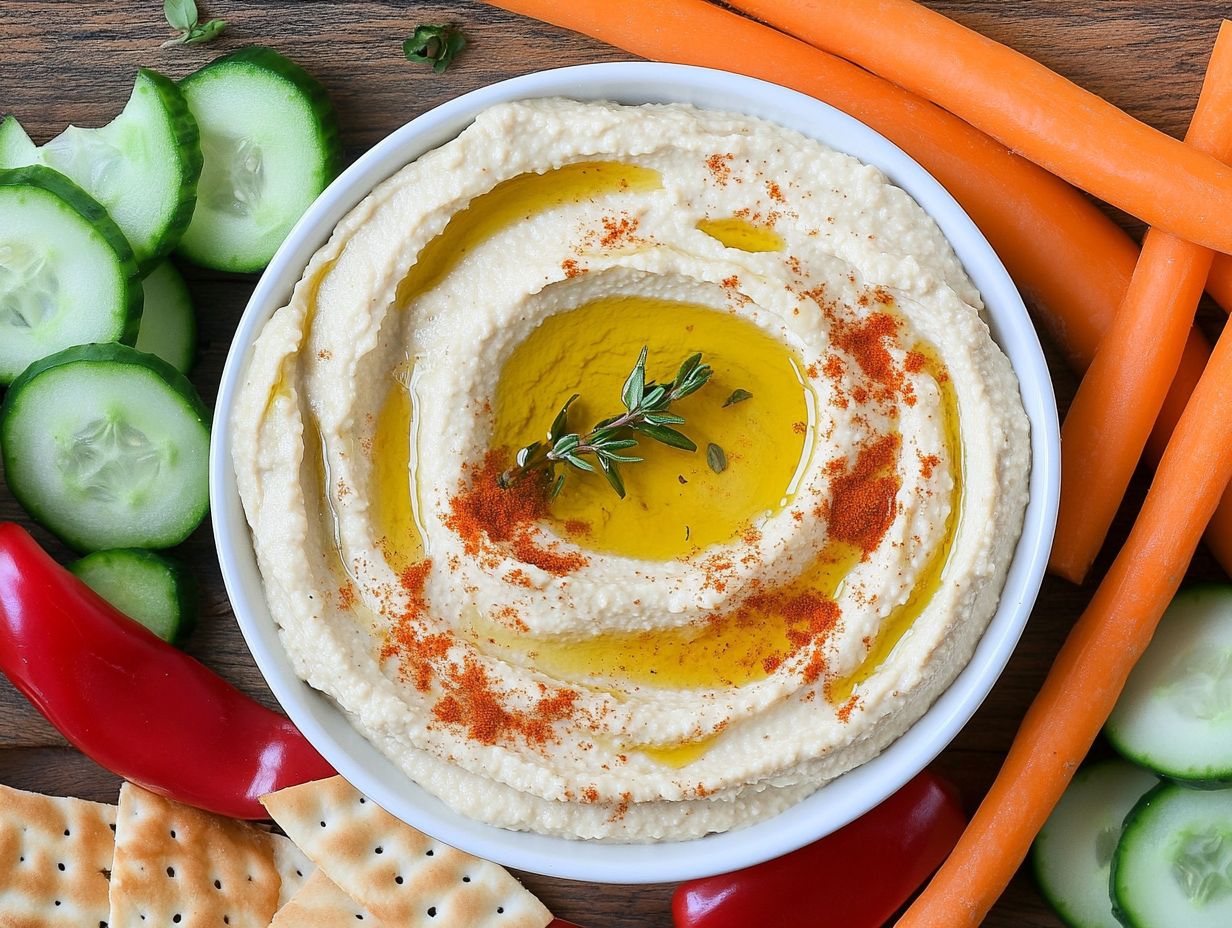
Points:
(1070, 261)
(1101, 650)
(1220, 284)
(1118, 401)
(1090, 671)
(1032, 110)
(1120, 398)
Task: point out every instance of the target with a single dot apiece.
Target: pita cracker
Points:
(179, 867)
(403, 877)
(321, 904)
(55, 855)
(293, 866)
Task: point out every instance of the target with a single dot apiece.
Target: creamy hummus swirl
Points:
(528, 674)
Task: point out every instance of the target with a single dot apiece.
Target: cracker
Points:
(403, 877)
(321, 904)
(55, 855)
(293, 866)
(179, 867)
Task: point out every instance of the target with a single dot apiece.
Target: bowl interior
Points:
(841, 800)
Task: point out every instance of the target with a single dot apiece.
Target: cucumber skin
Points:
(95, 352)
(318, 98)
(185, 585)
(1203, 783)
(55, 183)
(1142, 805)
(191, 342)
(120, 354)
(319, 102)
(1060, 909)
(187, 139)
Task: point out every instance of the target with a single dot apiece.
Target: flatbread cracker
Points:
(293, 866)
(403, 877)
(321, 904)
(55, 855)
(179, 867)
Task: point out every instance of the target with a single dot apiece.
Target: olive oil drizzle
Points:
(515, 200)
(895, 627)
(734, 232)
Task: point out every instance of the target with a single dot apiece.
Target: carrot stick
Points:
(1070, 261)
(1032, 110)
(1090, 671)
(1220, 284)
(1109, 638)
(1118, 401)
(1124, 388)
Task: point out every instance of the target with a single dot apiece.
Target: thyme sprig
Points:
(646, 413)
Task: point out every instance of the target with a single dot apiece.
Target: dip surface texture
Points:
(744, 625)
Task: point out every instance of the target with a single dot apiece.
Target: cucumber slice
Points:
(142, 166)
(1175, 713)
(270, 140)
(156, 591)
(67, 275)
(15, 145)
(168, 324)
(107, 446)
(1173, 865)
(1072, 857)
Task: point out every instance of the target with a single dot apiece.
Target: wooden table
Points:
(63, 62)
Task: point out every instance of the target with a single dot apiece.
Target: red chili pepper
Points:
(133, 703)
(856, 877)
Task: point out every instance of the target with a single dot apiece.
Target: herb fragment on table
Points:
(716, 458)
(737, 396)
(182, 15)
(646, 413)
(434, 44)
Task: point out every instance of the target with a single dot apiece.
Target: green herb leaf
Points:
(737, 396)
(690, 364)
(181, 14)
(205, 33)
(556, 486)
(579, 463)
(614, 444)
(614, 479)
(656, 398)
(434, 44)
(526, 453)
(716, 458)
(646, 413)
(562, 417)
(664, 418)
(635, 385)
(622, 458)
(667, 436)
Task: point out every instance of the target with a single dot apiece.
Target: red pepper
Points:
(856, 877)
(133, 703)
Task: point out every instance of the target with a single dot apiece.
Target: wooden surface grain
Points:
(73, 62)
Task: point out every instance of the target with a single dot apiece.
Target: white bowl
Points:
(835, 804)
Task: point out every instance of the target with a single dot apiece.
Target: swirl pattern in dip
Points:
(712, 648)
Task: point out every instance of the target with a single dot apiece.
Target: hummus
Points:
(752, 619)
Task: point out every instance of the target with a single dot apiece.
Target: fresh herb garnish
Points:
(182, 15)
(737, 396)
(434, 44)
(646, 413)
(716, 458)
